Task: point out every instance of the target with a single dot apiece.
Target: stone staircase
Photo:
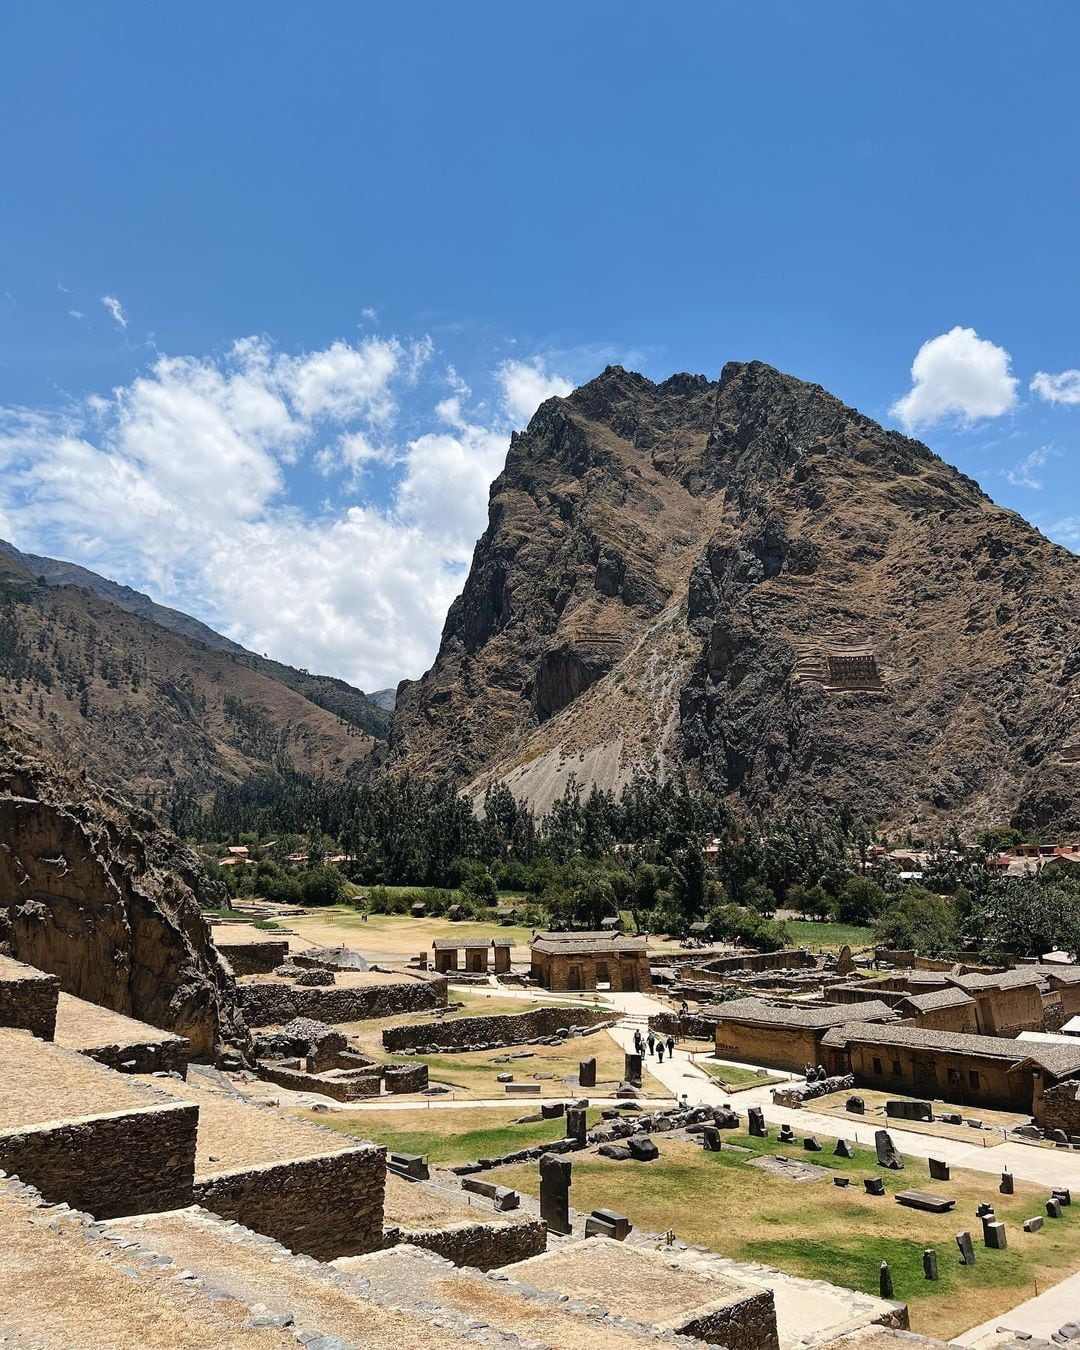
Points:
(388, 1300)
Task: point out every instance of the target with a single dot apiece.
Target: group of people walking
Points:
(654, 1043)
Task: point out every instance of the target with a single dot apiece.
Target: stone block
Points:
(617, 1152)
(994, 1236)
(755, 1120)
(856, 1106)
(1053, 1208)
(711, 1138)
(642, 1148)
(555, 1175)
(909, 1110)
(843, 1149)
(608, 1223)
(888, 1155)
(1033, 1224)
(552, 1110)
(522, 1089)
(632, 1068)
(411, 1165)
(929, 1263)
(1006, 1184)
(967, 1249)
(874, 1185)
(587, 1073)
(939, 1169)
(811, 1145)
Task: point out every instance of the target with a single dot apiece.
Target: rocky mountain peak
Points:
(748, 578)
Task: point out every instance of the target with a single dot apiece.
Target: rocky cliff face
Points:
(750, 579)
(95, 891)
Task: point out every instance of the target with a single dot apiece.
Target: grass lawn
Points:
(822, 1231)
(734, 1077)
(473, 1074)
(835, 1104)
(810, 933)
(448, 1136)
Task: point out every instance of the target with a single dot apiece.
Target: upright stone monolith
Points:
(576, 1126)
(885, 1280)
(632, 1069)
(843, 1149)
(939, 1169)
(1006, 1187)
(555, 1192)
(929, 1263)
(755, 1122)
(967, 1249)
(586, 1074)
(888, 1155)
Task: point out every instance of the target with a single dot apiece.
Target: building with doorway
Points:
(478, 952)
(572, 961)
(781, 1035)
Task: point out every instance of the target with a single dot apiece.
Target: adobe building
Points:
(576, 961)
(478, 952)
(945, 1009)
(1007, 1002)
(782, 1035)
(988, 1071)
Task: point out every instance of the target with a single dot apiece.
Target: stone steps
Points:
(387, 1300)
(65, 1284)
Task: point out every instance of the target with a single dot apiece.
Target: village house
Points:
(478, 952)
(993, 1072)
(940, 1010)
(781, 1035)
(573, 961)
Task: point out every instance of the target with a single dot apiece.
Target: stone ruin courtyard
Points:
(409, 1161)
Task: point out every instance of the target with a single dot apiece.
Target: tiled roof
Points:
(1059, 1060)
(937, 998)
(1062, 973)
(1004, 979)
(471, 944)
(799, 1015)
(573, 944)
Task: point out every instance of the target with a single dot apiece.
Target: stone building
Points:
(993, 1072)
(940, 1010)
(478, 952)
(782, 1035)
(1007, 1002)
(573, 961)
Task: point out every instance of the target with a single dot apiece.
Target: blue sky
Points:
(276, 281)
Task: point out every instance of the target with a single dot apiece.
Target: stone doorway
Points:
(573, 978)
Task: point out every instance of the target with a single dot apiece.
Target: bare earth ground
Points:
(414, 1206)
(40, 1083)
(86, 1026)
(58, 1293)
(234, 1134)
(875, 1117)
(821, 1231)
(393, 936)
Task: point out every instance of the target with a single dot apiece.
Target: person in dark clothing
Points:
(660, 1050)
(650, 1041)
(671, 1047)
(639, 1044)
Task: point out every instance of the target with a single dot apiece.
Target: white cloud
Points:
(1064, 387)
(115, 309)
(525, 385)
(957, 374)
(75, 313)
(183, 483)
(1023, 475)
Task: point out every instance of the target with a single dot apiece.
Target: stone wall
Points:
(693, 1025)
(164, 1056)
(361, 1084)
(776, 1046)
(28, 1001)
(719, 966)
(254, 958)
(748, 1324)
(1058, 1107)
(468, 1033)
(484, 1246)
(127, 1162)
(271, 1003)
(400, 1078)
(322, 1207)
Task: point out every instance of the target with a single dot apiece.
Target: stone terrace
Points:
(118, 1041)
(64, 1283)
(655, 1289)
(312, 1190)
(99, 1140)
(27, 998)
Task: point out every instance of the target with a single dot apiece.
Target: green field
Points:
(450, 1136)
(821, 1231)
(810, 933)
(733, 1076)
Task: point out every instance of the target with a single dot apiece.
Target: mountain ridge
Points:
(699, 573)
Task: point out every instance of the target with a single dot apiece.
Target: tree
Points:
(1028, 916)
(922, 922)
(861, 901)
(816, 903)
(757, 896)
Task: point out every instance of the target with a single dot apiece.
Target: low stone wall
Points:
(270, 1003)
(719, 966)
(127, 1162)
(366, 1083)
(748, 1324)
(254, 958)
(323, 1207)
(1058, 1107)
(400, 1078)
(484, 1246)
(696, 1026)
(470, 1033)
(28, 998)
(164, 1056)
(796, 1096)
